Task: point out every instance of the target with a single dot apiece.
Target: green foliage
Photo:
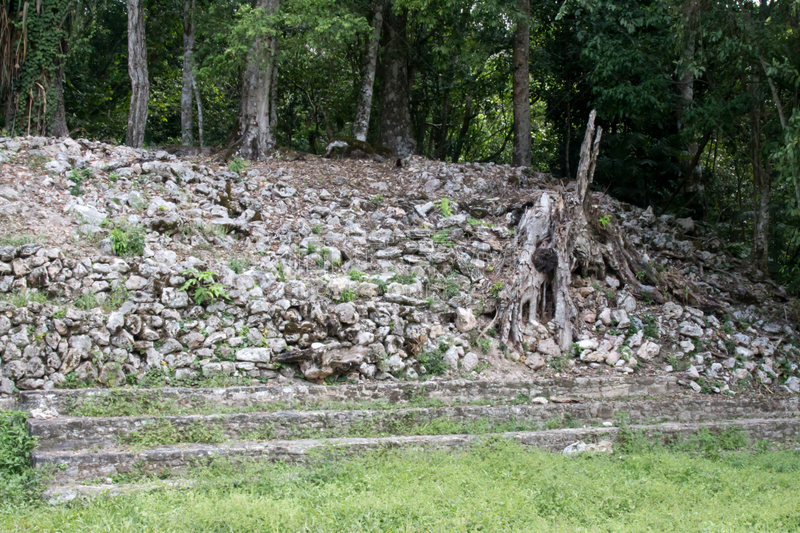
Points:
(163, 433)
(128, 241)
(382, 284)
(238, 264)
(433, 360)
(19, 483)
(496, 289)
(451, 288)
(78, 177)
(348, 295)
(444, 207)
(484, 344)
(511, 488)
(86, 301)
(281, 272)
(316, 229)
(237, 165)
(356, 275)
(443, 238)
(202, 286)
(404, 279)
(650, 328)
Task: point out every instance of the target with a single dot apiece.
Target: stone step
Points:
(75, 466)
(446, 391)
(97, 433)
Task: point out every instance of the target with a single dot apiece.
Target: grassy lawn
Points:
(496, 486)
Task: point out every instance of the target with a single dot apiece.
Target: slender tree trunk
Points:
(137, 69)
(462, 134)
(59, 124)
(521, 87)
(395, 109)
(686, 84)
(568, 134)
(763, 189)
(364, 107)
(441, 138)
(256, 137)
(188, 73)
(273, 94)
(199, 110)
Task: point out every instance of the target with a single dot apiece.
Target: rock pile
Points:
(122, 265)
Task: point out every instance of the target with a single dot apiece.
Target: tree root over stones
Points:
(561, 233)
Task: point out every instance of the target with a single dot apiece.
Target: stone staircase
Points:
(92, 439)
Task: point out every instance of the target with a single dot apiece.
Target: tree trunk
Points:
(560, 232)
(462, 134)
(395, 110)
(694, 183)
(521, 87)
(188, 73)
(199, 110)
(441, 137)
(137, 69)
(256, 137)
(762, 185)
(364, 107)
(59, 123)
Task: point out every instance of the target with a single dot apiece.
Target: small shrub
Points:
(86, 301)
(451, 288)
(19, 482)
(237, 165)
(128, 242)
(316, 229)
(382, 285)
(496, 289)
(356, 275)
(444, 206)
(238, 264)
(484, 344)
(404, 279)
(433, 360)
(650, 328)
(604, 221)
(348, 295)
(77, 177)
(203, 287)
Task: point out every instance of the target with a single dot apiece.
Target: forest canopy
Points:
(698, 99)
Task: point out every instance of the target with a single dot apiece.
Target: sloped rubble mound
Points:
(122, 266)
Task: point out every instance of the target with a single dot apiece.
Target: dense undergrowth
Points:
(19, 483)
(494, 486)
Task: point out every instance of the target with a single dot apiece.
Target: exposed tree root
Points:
(561, 233)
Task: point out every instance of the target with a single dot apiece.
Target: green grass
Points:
(122, 403)
(495, 486)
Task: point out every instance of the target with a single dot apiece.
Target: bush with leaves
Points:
(202, 286)
(128, 241)
(19, 483)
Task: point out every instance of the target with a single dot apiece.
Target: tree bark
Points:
(59, 124)
(395, 110)
(256, 137)
(521, 87)
(462, 134)
(188, 73)
(686, 85)
(137, 70)
(199, 110)
(364, 107)
(763, 188)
